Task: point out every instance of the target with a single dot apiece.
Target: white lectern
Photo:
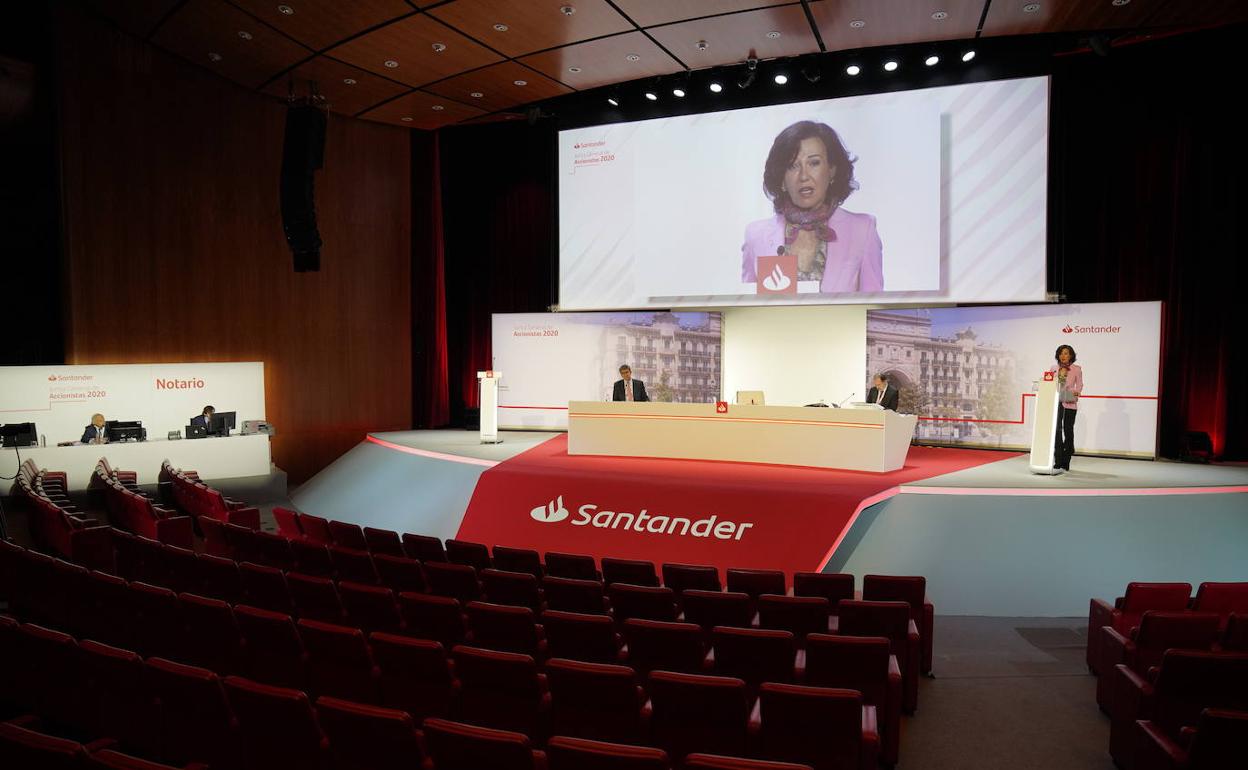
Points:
(489, 406)
(1044, 426)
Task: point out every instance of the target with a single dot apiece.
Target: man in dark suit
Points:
(628, 389)
(205, 419)
(94, 433)
(882, 393)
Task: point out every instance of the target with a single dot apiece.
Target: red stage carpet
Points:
(692, 511)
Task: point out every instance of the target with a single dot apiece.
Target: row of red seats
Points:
(197, 499)
(56, 525)
(131, 510)
(23, 743)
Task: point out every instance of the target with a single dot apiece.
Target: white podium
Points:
(489, 406)
(1044, 426)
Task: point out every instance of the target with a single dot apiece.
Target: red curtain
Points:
(431, 407)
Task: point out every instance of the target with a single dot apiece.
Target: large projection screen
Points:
(968, 372)
(947, 202)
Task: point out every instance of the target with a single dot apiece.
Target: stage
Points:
(992, 538)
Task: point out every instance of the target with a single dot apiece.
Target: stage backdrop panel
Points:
(969, 372)
(61, 399)
(549, 359)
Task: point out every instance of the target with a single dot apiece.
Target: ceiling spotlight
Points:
(772, 35)
(476, 94)
(747, 79)
(701, 45)
(391, 63)
(781, 79)
(633, 57)
(439, 47)
(520, 82)
(1031, 8)
(932, 60)
(890, 66)
(244, 34)
(968, 56)
(1119, 3)
(611, 100)
(285, 10)
(652, 96)
(438, 108)
(501, 28)
(716, 88)
(567, 10)
(940, 15)
(678, 93)
(213, 56)
(852, 70)
(857, 24)
(349, 81)
(574, 70)
(406, 120)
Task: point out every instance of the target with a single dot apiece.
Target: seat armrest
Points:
(870, 756)
(248, 517)
(1155, 749)
(1100, 613)
(1114, 649)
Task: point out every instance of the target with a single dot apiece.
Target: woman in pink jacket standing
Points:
(1070, 385)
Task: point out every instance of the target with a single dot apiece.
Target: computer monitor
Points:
(754, 397)
(222, 423)
(18, 434)
(124, 430)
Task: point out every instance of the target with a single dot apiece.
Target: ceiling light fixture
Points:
(1031, 8)
(932, 60)
(501, 28)
(857, 24)
(611, 100)
(439, 47)
(349, 81)
(853, 70)
(940, 15)
(214, 56)
(772, 35)
(968, 56)
(890, 66)
(244, 34)
(747, 79)
(633, 57)
(1119, 3)
(406, 120)
(567, 10)
(476, 94)
(520, 82)
(701, 45)
(716, 88)
(678, 93)
(652, 96)
(285, 10)
(574, 70)
(438, 108)
(781, 79)
(391, 63)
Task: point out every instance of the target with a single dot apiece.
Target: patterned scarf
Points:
(816, 220)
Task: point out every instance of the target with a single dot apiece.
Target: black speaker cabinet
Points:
(303, 152)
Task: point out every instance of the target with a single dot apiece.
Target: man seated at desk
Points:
(882, 393)
(628, 389)
(205, 419)
(95, 433)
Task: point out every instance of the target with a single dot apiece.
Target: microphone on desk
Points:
(843, 400)
(780, 251)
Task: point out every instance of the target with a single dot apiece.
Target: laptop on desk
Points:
(196, 431)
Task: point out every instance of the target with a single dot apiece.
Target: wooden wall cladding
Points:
(174, 248)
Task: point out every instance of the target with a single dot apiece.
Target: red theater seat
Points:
(503, 628)
(1219, 740)
(756, 582)
(574, 595)
(693, 713)
(474, 555)
(682, 577)
(51, 674)
(315, 598)
(211, 633)
(288, 523)
(315, 529)
(194, 720)
(219, 578)
(274, 652)
(800, 615)
(1148, 642)
(371, 608)
(457, 746)
(347, 535)
(1125, 613)
(340, 662)
(832, 586)
(563, 753)
(890, 620)
(865, 664)
(215, 540)
(754, 655)
(278, 726)
(1222, 599)
(438, 618)
(571, 565)
(415, 675)
(715, 762)
(367, 737)
(579, 636)
(457, 581)
(109, 759)
(273, 550)
(157, 621)
(518, 560)
(634, 601)
(355, 565)
(518, 589)
(913, 591)
(709, 609)
(265, 587)
(399, 573)
(658, 645)
(501, 690)
(183, 567)
(115, 702)
(1235, 638)
(423, 548)
(111, 616)
(151, 567)
(312, 558)
(594, 700)
(383, 542)
(632, 572)
(825, 728)
(21, 747)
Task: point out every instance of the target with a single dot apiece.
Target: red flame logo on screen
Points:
(51, 378)
(1067, 329)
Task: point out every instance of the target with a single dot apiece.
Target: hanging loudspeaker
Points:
(303, 152)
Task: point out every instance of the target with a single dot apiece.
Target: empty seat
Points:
(383, 541)
(265, 587)
(287, 523)
(712, 608)
(194, 720)
(353, 564)
(109, 759)
(458, 746)
(564, 753)
(754, 655)
(183, 569)
(913, 591)
(1218, 741)
(801, 615)
(215, 540)
(315, 598)
(116, 704)
(693, 713)
(831, 586)
(278, 726)
(681, 577)
(595, 700)
(1235, 637)
(499, 627)
(518, 560)
(571, 565)
(315, 529)
(655, 644)
(371, 608)
(574, 595)
(272, 550)
(51, 674)
(347, 535)
(152, 567)
(474, 555)
(158, 624)
(630, 571)
(438, 618)
(274, 652)
(1221, 598)
(399, 573)
(579, 636)
(211, 634)
(634, 601)
(1125, 612)
(890, 620)
(717, 762)
(499, 689)
(458, 581)
(219, 578)
(757, 582)
(22, 747)
(518, 589)
(423, 548)
(415, 675)
(340, 662)
(825, 728)
(312, 558)
(1148, 642)
(365, 737)
(110, 615)
(865, 664)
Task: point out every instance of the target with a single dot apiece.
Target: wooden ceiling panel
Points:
(495, 87)
(422, 110)
(894, 22)
(768, 33)
(319, 24)
(1206, 13)
(249, 52)
(137, 16)
(648, 13)
(604, 61)
(1014, 18)
(331, 78)
(532, 25)
(411, 43)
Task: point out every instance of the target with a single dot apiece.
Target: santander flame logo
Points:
(777, 281)
(552, 512)
(1067, 329)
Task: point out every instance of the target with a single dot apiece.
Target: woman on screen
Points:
(1070, 385)
(808, 176)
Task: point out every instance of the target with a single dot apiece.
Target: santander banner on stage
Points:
(968, 372)
(60, 400)
(549, 359)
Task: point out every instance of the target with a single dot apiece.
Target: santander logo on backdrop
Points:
(592, 515)
(1109, 329)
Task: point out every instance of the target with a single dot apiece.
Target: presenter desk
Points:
(848, 439)
(215, 457)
